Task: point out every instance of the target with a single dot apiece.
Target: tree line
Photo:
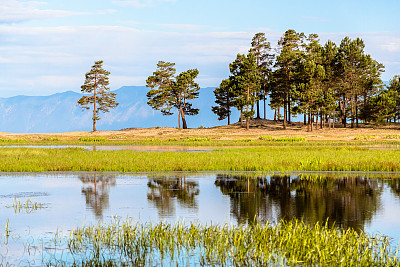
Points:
(325, 83)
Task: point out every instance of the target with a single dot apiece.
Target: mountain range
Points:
(60, 113)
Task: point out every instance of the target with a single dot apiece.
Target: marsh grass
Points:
(392, 136)
(274, 158)
(292, 243)
(12, 141)
(364, 137)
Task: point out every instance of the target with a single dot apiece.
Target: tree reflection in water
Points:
(163, 191)
(347, 202)
(96, 189)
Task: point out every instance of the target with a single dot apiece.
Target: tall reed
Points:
(291, 243)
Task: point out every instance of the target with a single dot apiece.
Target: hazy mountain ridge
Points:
(59, 113)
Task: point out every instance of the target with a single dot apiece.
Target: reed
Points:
(290, 243)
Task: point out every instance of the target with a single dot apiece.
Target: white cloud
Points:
(43, 60)
(392, 45)
(12, 11)
(140, 3)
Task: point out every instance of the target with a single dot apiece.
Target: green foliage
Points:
(246, 79)
(224, 95)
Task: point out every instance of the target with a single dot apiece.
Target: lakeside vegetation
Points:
(286, 244)
(301, 157)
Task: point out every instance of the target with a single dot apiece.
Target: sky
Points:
(46, 47)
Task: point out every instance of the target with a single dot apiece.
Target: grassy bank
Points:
(274, 158)
(285, 244)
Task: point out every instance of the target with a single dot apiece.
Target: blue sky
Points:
(47, 46)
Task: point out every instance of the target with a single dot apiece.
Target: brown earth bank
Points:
(258, 127)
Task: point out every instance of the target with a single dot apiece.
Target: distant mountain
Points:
(60, 113)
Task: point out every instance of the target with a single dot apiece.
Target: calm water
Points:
(73, 200)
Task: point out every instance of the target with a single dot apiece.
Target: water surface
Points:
(69, 200)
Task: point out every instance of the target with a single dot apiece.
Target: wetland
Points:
(42, 210)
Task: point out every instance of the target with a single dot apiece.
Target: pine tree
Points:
(312, 73)
(168, 92)
(224, 99)
(246, 79)
(96, 84)
(262, 51)
(287, 63)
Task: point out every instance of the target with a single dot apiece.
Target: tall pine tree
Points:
(168, 92)
(96, 84)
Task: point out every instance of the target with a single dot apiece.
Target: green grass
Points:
(291, 243)
(274, 158)
(263, 140)
(392, 136)
(364, 137)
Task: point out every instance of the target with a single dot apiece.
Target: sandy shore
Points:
(232, 132)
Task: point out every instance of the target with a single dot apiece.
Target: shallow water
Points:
(73, 200)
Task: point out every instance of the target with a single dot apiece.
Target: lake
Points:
(36, 207)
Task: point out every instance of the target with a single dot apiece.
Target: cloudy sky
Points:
(47, 46)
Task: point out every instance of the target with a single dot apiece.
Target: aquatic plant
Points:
(290, 243)
(28, 206)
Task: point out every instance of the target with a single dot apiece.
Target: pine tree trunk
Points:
(352, 112)
(305, 119)
(356, 113)
(241, 118)
(265, 108)
(309, 121)
(258, 109)
(284, 115)
(179, 119)
(247, 117)
(322, 120)
(94, 104)
(184, 125)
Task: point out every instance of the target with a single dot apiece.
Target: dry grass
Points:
(258, 128)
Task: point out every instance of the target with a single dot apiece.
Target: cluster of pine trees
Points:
(325, 83)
